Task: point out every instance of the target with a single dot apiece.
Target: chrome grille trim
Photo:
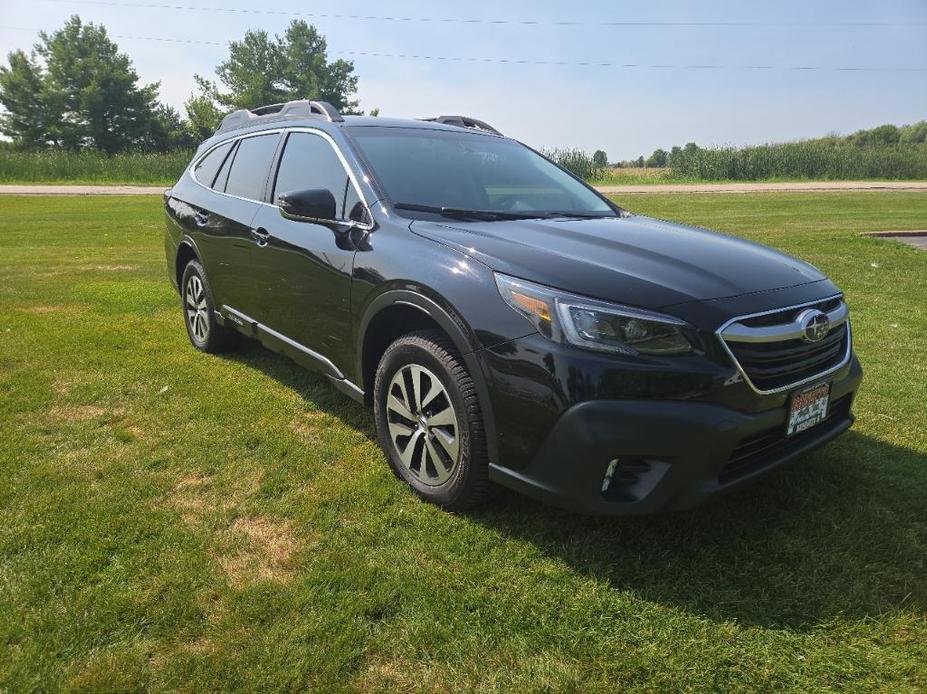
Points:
(736, 332)
(783, 334)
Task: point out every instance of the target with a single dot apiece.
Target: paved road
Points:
(797, 187)
(80, 190)
(802, 187)
(913, 237)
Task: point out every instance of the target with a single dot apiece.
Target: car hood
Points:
(632, 260)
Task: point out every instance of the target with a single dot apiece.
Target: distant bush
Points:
(576, 162)
(55, 165)
(813, 159)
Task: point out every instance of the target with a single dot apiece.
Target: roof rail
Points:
(463, 122)
(293, 109)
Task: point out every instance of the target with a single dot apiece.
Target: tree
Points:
(167, 131)
(658, 159)
(203, 113)
(307, 74)
(84, 93)
(914, 133)
(640, 163)
(26, 119)
(883, 135)
(261, 71)
(600, 159)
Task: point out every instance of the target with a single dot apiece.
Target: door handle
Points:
(260, 236)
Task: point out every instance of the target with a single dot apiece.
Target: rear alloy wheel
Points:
(199, 312)
(429, 421)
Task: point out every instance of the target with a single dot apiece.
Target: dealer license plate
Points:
(808, 408)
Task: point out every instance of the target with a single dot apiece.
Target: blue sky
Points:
(625, 111)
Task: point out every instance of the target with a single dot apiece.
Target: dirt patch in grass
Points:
(386, 674)
(264, 552)
(41, 310)
(110, 268)
(308, 425)
(189, 497)
(76, 413)
(197, 493)
(61, 386)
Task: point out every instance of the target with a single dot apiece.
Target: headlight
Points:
(593, 324)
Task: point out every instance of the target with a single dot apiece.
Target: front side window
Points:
(207, 167)
(310, 162)
(251, 166)
(468, 171)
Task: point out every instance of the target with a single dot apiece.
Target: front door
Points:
(304, 277)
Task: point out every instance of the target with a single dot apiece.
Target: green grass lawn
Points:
(173, 520)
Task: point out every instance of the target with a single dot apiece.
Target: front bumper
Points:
(672, 455)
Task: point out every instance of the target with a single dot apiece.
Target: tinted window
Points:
(250, 167)
(224, 171)
(309, 161)
(471, 171)
(205, 170)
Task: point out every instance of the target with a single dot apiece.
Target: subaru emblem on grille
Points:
(814, 325)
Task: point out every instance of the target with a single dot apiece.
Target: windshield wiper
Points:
(578, 215)
(481, 215)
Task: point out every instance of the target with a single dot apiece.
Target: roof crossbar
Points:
(464, 122)
(302, 108)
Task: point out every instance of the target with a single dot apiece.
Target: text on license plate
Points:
(808, 408)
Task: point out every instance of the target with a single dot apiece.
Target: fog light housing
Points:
(626, 478)
(609, 474)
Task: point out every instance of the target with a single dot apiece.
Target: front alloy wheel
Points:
(429, 420)
(423, 424)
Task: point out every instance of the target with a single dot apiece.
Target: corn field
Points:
(820, 160)
(576, 162)
(60, 166)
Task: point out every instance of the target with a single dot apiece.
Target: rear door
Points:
(241, 184)
(304, 274)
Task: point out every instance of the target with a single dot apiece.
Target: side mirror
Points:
(315, 205)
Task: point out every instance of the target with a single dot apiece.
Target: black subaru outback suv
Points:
(507, 323)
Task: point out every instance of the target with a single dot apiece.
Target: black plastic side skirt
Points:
(302, 355)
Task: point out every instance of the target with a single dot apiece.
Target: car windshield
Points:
(430, 171)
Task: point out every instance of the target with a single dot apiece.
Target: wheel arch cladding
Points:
(185, 253)
(401, 311)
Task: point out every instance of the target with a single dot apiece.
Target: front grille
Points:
(788, 314)
(771, 365)
(765, 448)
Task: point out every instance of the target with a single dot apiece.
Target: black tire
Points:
(204, 331)
(431, 353)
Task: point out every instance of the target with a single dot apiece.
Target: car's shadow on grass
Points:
(311, 386)
(840, 532)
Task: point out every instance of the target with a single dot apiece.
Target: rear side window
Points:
(223, 176)
(309, 161)
(205, 171)
(251, 166)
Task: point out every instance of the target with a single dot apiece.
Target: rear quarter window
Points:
(206, 168)
(251, 166)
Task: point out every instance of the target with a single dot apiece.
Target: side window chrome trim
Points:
(231, 140)
(344, 163)
(284, 131)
